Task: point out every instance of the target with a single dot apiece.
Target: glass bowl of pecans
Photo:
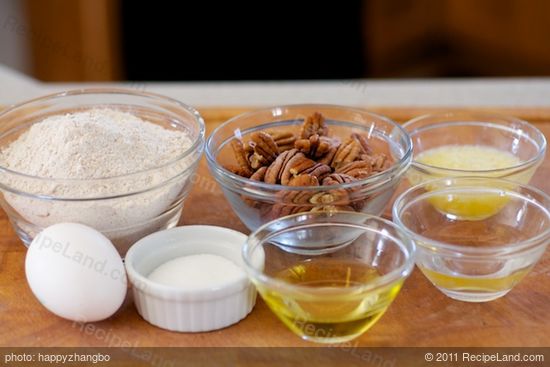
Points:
(305, 158)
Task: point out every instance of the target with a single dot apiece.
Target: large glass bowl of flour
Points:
(119, 161)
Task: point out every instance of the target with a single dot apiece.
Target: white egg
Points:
(76, 272)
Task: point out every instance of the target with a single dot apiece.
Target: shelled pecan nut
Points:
(237, 170)
(314, 124)
(281, 210)
(259, 175)
(315, 146)
(327, 159)
(337, 179)
(378, 162)
(256, 176)
(358, 169)
(265, 145)
(304, 180)
(284, 139)
(257, 161)
(241, 157)
(295, 166)
(295, 197)
(347, 152)
(381, 162)
(249, 148)
(290, 202)
(275, 169)
(304, 145)
(335, 197)
(321, 198)
(363, 142)
(319, 170)
(265, 150)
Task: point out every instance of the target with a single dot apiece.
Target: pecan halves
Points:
(281, 210)
(295, 166)
(358, 169)
(381, 162)
(337, 179)
(265, 145)
(292, 197)
(241, 157)
(363, 142)
(275, 169)
(304, 145)
(290, 202)
(314, 124)
(378, 162)
(284, 139)
(315, 146)
(236, 170)
(319, 170)
(259, 175)
(327, 159)
(257, 161)
(303, 180)
(333, 197)
(256, 176)
(265, 149)
(347, 152)
(308, 158)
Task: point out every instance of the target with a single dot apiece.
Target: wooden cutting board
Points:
(420, 316)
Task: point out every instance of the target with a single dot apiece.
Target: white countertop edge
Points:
(498, 92)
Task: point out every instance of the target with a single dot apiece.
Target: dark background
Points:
(204, 40)
(95, 40)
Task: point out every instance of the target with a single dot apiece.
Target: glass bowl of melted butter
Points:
(475, 260)
(329, 276)
(467, 144)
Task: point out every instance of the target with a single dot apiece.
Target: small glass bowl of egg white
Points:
(458, 144)
(476, 237)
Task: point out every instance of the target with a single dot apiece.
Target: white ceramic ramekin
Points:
(181, 309)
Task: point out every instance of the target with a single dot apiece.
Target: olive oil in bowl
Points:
(331, 300)
(336, 274)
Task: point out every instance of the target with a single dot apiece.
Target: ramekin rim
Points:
(166, 292)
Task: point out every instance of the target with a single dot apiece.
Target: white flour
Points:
(90, 145)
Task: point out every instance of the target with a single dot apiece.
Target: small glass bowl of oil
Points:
(329, 276)
(481, 257)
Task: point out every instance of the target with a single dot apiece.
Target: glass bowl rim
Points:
(406, 245)
(481, 115)
(468, 251)
(379, 178)
(196, 146)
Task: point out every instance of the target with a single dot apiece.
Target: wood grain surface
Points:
(420, 316)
